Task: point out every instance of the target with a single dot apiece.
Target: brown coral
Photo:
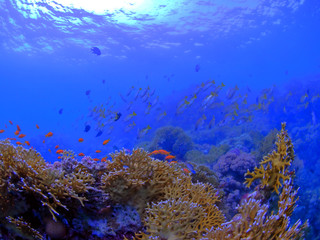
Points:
(252, 222)
(188, 212)
(274, 166)
(137, 179)
(24, 173)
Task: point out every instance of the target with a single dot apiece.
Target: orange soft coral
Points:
(274, 166)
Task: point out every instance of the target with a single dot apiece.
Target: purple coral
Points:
(235, 163)
(231, 168)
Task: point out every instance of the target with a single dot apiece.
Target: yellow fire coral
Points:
(137, 179)
(274, 166)
(188, 212)
(252, 222)
(26, 172)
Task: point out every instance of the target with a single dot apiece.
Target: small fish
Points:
(43, 141)
(304, 97)
(19, 143)
(59, 151)
(186, 170)
(88, 92)
(105, 141)
(18, 128)
(81, 155)
(96, 50)
(161, 116)
(49, 134)
(103, 81)
(96, 159)
(2, 131)
(27, 142)
(104, 159)
(231, 92)
(98, 151)
(130, 126)
(21, 135)
(197, 68)
(16, 132)
(137, 95)
(190, 167)
(60, 111)
(80, 140)
(10, 122)
(169, 157)
(99, 133)
(212, 122)
(87, 128)
(144, 131)
(130, 91)
(49, 150)
(200, 122)
(122, 97)
(56, 147)
(130, 116)
(37, 126)
(117, 117)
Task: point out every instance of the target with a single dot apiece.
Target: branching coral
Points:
(274, 166)
(252, 222)
(187, 212)
(26, 174)
(137, 179)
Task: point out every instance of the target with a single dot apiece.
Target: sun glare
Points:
(103, 6)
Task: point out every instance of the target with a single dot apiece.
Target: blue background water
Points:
(46, 65)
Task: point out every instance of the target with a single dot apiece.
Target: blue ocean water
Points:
(217, 69)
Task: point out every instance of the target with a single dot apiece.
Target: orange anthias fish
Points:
(21, 135)
(105, 141)
(169, 157)
(96, 159)
(59, 151)
(56, 147)
(81, 155)
(27, 142)
(104, 159)
(186, 170)
(10, 122)
(18, 128)
(164, 152)
(19, 143)
(80, 139)
(49, 134)
(1, 131)
(98, 151)
(37, 126)
(16, 133)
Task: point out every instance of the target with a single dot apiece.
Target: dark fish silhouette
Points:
(60, 111)
(96, 51)
(103, 81)
(117, 117)
(88, 92)
(87, 128)
(99, 134)
(197, 68)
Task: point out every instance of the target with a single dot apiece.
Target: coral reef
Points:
(274, 166)
(184, 203)
(137, 179)
(230, 169)
(137, 196)
(172, 139)
(253, 221)
(208, 159)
